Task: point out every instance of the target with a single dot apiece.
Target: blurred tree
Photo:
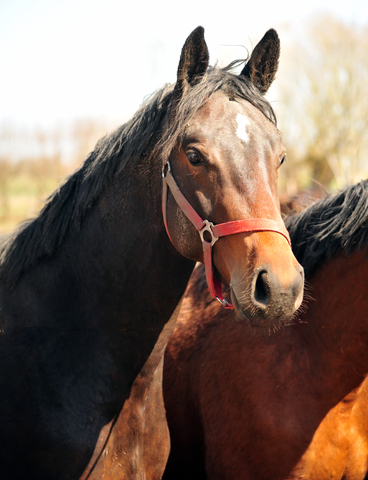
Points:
(323, 85)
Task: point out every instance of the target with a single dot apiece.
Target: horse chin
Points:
(256, 319)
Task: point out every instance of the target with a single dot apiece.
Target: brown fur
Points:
(287, 404)
(291, 405)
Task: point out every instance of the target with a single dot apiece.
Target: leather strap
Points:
(207, 229)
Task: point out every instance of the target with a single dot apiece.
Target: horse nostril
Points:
(260, 289)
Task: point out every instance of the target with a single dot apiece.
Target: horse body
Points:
(74, 353)
(88, 289)
(290, 405)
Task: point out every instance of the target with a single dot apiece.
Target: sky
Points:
(70, 59)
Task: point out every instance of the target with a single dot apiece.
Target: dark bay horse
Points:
(88, 288)
(288, 405)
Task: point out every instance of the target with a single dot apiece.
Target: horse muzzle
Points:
(267, 298)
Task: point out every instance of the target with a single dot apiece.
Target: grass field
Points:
(19, 208)
(22, 196)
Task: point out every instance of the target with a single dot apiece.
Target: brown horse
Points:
(290, 404)
(87, 289)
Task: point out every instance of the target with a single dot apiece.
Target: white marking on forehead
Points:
(241, 131)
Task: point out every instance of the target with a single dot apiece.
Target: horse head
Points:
(224, 158)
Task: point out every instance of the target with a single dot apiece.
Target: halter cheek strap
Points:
(210, 233)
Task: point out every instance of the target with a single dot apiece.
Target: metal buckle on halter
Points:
(165, 170)
(207, 227)
(223, 302)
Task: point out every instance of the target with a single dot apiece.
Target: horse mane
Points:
(337, 223)
(144, 136)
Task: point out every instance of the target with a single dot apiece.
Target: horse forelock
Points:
(144, 135)
(338, 223)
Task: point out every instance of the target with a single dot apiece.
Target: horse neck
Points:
(145, 275)
(336, 334)
(119, 270)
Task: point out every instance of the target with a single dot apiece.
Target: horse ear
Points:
(262, 65)
(193, 62)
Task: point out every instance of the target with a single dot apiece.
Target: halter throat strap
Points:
(210, 233)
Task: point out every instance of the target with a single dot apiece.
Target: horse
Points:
(279, 403)
(90, 288)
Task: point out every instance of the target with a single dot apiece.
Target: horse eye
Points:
(283, 159)
(194, 158)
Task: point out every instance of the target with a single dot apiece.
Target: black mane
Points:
(144, 136)
(337, 223)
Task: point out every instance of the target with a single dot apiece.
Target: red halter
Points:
(215, 231)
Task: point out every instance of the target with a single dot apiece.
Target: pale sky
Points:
(67, 59)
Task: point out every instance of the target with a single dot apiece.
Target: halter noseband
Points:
(214, 231)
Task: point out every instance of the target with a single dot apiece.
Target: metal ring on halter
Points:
(208, 228)
(165, 170)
